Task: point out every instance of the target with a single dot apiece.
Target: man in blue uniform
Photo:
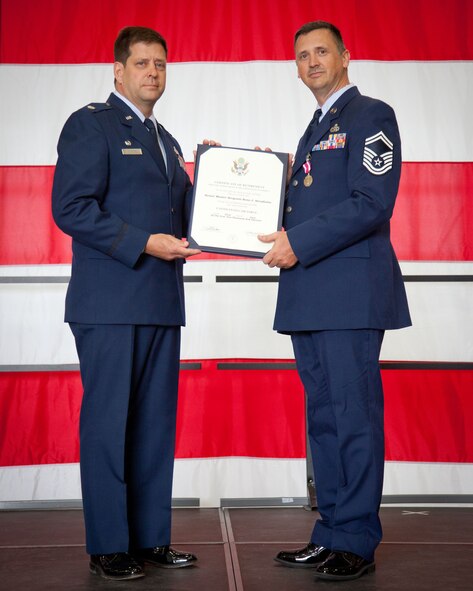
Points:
(121, 191)
(340, 288)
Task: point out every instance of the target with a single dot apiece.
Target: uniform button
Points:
(295, 182)
(288, 209)
(173, 210)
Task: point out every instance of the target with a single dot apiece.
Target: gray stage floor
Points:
(423, 549)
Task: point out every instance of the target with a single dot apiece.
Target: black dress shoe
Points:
(343, 566)
(117, 567)
(165, 557)
(308, 557)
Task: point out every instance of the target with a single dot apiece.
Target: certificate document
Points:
(238, 194)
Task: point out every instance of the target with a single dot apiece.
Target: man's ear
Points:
(118, 68)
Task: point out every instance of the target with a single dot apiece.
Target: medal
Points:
(307, 168)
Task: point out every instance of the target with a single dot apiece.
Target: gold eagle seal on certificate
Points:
(240, 167)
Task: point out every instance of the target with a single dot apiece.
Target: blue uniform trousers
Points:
(341, 376)
(127, 433)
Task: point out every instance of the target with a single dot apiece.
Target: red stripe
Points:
(433, 218)
(39, 415)
(219, 415)
(257, 413)
(211, 30)
(429, 415)
(28, 234)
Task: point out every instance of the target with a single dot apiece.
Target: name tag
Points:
(132, 151)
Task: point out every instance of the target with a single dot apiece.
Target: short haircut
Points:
(314, 25)
(131, 35)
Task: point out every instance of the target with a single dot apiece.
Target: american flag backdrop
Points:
(232, 77)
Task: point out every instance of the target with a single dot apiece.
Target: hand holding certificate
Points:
(238, 195)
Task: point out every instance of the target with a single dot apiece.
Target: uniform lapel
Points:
(138, 130)
(323, 127)
(140, 133)
(170, 154)
(318, 132)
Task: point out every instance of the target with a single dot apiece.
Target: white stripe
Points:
(377, 136)
(40, 483)
(240, 104)
(212, 479)
(369, 152)
(377, 171)
(237, 318)
(208, 479)
(427, 478)
(385, 155)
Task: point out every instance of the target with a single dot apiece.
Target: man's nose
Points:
(313, 59)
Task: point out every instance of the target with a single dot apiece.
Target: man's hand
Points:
(281, 255)
(169, 248)
(211, 143)
(207, 143)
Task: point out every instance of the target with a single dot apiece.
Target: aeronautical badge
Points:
(240, 167)
(378, 154)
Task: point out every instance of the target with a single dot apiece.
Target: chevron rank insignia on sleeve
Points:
(378, 154)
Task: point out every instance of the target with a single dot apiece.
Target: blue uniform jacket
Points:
(347, 276)
(110, 194)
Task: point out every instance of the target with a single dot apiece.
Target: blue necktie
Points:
(310, 129)
(152, 130)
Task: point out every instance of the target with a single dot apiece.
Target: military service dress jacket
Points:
(110, 193)
(338, 207)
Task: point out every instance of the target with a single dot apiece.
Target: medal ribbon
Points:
(307, 166)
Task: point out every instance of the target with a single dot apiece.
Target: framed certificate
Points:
(238, 194)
